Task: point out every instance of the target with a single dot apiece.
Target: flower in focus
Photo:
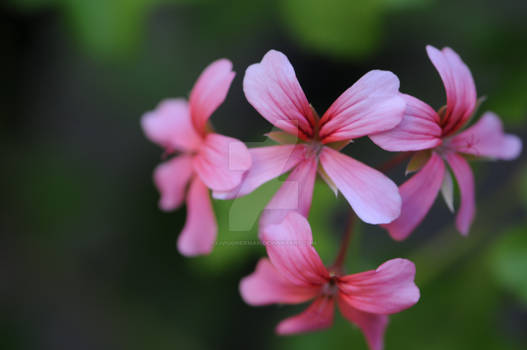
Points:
(438, 138)
(371, 105)
(204, 159)
(294, 273)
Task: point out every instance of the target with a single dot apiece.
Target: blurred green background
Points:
(89, 262)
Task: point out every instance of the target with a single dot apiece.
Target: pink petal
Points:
(272, 88)
(371, 105)
(222, 162)
(459, 86)
(171, 178)
(210, 91)
(266, 286)
(199, 232)
(418, 194)
(295, 194)
(318, 316)
(487, 139)
(267, 163)
(418, 130)
(465, 181)
(387, 290)
(373, 196)
(290, 248)
(170, 126)
(372, 326)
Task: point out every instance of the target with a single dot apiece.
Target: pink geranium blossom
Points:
(294, 273)
(371, 105)
(423, 128)
(204, 160)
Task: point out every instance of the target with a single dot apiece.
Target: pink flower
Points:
(205, 159)
(423, 128)
(371, 105)
(294, 273)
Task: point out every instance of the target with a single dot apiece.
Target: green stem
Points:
(337, 266)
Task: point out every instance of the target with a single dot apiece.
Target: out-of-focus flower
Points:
(438, 138)
(294, 273)
(371, 105)
(204, 159)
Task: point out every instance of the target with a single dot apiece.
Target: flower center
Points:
(314, 148)
(330, 288)
(445, 148)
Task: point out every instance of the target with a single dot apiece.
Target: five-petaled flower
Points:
(373, 104)
(294, 273)
(437, 135)
(205, 159)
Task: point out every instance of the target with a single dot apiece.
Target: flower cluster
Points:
(438, 142)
